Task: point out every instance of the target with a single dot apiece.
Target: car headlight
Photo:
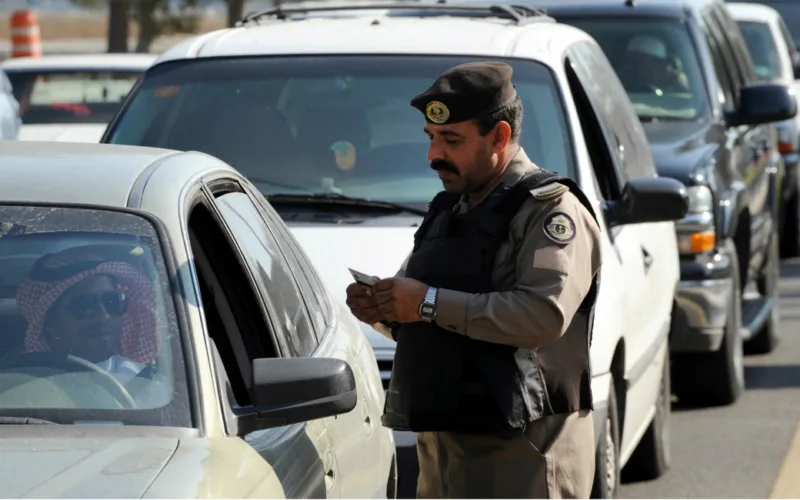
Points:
(696, 232)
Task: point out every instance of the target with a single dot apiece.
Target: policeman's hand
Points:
(399, 298)
(362, 303)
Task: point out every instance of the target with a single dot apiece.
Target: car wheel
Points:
(652, 456)
(606, 470)
(767, 338)
(715, 378)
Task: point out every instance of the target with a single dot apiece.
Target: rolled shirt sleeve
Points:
(553, 276)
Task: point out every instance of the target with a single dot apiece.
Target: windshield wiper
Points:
(23, 421)
(340, 199)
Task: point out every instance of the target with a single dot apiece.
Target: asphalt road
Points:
(738, 451)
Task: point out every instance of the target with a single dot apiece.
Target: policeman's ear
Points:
(501, 136)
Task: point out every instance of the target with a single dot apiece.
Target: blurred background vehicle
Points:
(776, 59)
(71, 97)
(711, 124)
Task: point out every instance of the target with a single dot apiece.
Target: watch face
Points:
(426, 311)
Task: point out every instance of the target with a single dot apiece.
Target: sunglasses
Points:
(86, 305)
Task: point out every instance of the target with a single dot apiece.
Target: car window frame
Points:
(717, 50)
(616, 178)
(305, 268)
(292, 339)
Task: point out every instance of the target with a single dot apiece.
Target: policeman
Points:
(492, 310)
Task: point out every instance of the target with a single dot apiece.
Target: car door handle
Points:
(648, 259)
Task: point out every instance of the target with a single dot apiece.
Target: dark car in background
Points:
(710, 123)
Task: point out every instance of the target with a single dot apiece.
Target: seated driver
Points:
(104, 312)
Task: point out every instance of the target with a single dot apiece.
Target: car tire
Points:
(651, 459)
(606, 470)
(715, 378)
(767, 338)
(790, 235)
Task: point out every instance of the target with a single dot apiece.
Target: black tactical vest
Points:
(445, 381)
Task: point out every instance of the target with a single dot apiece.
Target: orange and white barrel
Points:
(26, 39)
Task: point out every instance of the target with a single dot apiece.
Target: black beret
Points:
(467, 92)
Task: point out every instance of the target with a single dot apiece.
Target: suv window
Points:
(762, 48)
(597, 132)
(742, 62)
(713, 37)
(272, 272)
(323, 124)
(656, 62)
(789, 11)
(627, 132)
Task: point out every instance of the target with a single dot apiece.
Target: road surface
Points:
(747, 450)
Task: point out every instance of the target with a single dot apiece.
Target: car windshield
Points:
(327, 124)
(789, 11)
(656, 62)
(90, 333)
(762, 49)
(55, 97)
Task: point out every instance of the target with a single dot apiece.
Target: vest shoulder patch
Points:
(559, 228)
(549, 191)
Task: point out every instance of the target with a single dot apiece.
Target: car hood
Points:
(378, 251)
(82, 467)
(91, 466)
(71, 132)
(680, 149)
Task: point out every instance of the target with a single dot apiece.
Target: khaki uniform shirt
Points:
(541, 282)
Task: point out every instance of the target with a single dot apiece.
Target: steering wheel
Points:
(71, 364)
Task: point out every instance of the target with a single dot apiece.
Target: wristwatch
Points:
(427, 310)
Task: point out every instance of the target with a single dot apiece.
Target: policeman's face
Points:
(466, 161)
(86, 320)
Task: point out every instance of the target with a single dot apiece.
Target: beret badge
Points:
(437, 112)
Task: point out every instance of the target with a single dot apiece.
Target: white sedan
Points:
(71, 97)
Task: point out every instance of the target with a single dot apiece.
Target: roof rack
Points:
(520, 14)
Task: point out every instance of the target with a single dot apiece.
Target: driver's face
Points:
(86, 321)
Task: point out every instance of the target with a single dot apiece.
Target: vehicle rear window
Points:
(88, 321)
(762, 49)
(56, 97)
(325, 123)
(656, 62)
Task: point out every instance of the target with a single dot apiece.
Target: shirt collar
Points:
(519, 165)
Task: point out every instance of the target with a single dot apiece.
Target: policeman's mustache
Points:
(444, 165)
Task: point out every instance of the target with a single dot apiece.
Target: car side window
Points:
(271, 272)
(627, 130)
(318, 308)
(597, 131)
(733, 36)
(711, 33)
(236, 322)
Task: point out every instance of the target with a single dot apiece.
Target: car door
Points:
(627, 240)
(244, 322)
(751, 146)
(355, 435)
(654, 259)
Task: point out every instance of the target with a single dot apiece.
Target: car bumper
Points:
(703, 295)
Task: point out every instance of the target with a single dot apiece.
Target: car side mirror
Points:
(292, 390)
(763, 103)
(653, 199)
